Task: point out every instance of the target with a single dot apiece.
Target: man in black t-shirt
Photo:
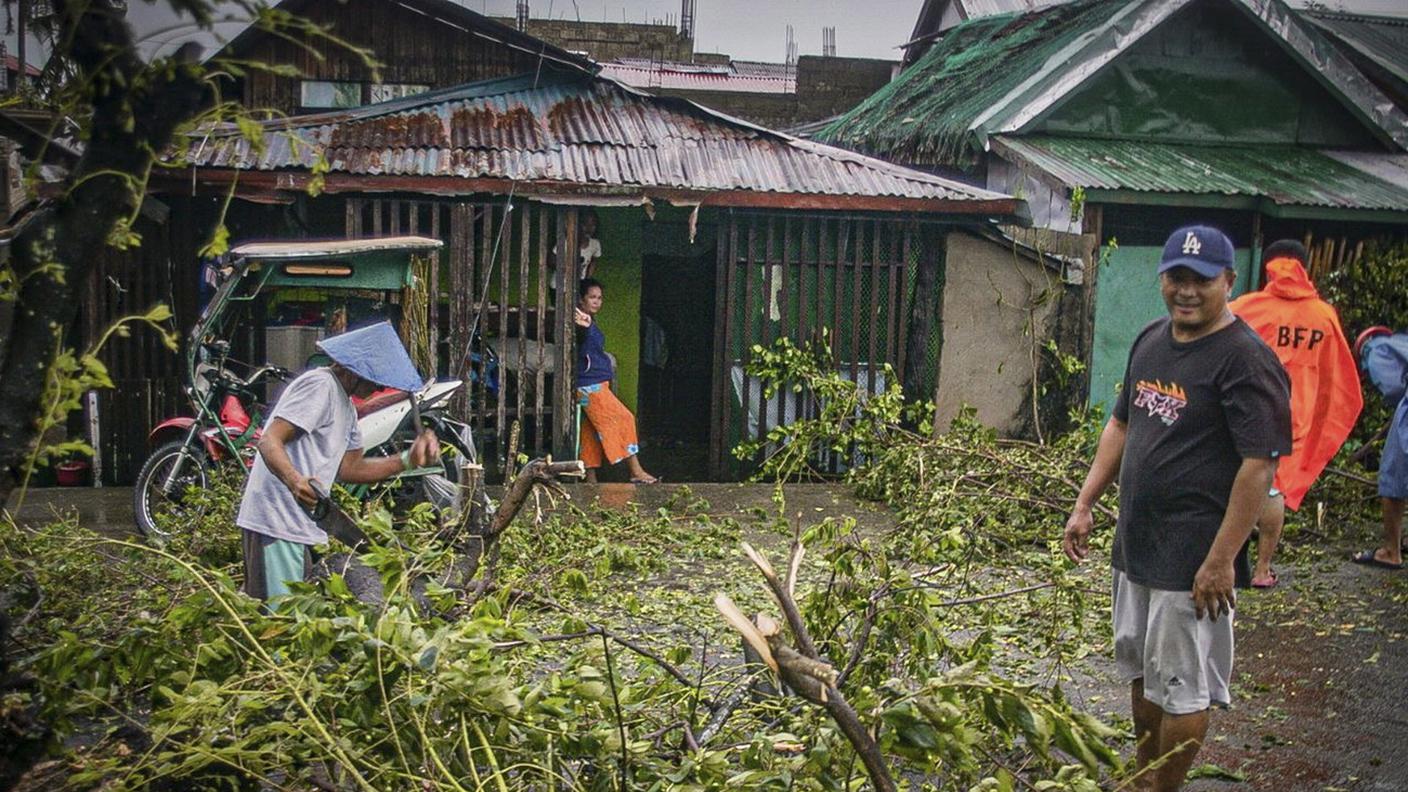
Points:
(1202, 418)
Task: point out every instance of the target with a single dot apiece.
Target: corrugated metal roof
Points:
(1383, 40)
(1392, 168)
(698, 77)
(575, 129)
(925, 115)
(996, 74)
(1288, 176)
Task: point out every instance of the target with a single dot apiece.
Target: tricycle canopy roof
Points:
(333, 247)
(383, 263)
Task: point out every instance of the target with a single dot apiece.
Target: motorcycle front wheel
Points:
(160, 510)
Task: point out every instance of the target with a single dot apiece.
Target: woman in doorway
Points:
(608, 430)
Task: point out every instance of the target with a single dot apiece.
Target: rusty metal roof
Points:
(1286, 175)
(582, 133)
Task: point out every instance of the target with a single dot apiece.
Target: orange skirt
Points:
(608, 431)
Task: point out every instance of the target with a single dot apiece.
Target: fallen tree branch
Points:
(689, 740)
(803, 671)
(1351, 476)
(719, 715)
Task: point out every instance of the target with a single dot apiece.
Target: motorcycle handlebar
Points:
(263, 372)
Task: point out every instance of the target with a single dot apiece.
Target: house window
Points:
(385, 92)
(325, 94)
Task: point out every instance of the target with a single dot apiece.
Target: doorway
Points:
(677, 354)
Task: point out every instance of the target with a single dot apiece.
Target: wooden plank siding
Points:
(148, 378)
(411, 48)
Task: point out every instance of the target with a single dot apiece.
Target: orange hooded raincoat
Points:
(1304, 332)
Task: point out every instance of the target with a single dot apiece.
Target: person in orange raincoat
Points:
(1304, 331)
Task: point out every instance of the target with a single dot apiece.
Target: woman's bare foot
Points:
(591, 475)
(638, 474)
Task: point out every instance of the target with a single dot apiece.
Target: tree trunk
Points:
(135, 112)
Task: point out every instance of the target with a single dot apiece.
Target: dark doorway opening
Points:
(676, 366)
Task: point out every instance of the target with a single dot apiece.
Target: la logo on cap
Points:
(1191, 245)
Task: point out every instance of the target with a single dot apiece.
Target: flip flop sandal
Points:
(655, 480)
(1267, 582)
(1366, 557)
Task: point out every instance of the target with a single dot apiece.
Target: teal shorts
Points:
(271, 564)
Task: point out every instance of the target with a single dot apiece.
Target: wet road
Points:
(1322, 660)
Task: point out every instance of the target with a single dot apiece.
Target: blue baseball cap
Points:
(1200, 248)
(375, 353)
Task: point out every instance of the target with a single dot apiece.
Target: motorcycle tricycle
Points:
(228, 407)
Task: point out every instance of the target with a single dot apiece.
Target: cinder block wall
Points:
(606, 41)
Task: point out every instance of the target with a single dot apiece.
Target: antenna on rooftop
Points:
(522, 15)
(828, 42)
(687, 19)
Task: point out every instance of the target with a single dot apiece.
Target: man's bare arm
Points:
(1214, 585)
(272, 447)
(357, 468)
(1103, 470)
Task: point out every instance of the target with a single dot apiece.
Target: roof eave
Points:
(1250, 203)
(285, 186)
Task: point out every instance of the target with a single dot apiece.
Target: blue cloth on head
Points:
(375, 353)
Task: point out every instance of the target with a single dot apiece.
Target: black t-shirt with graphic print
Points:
(1194, 410)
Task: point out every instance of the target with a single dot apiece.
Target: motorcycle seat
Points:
(379, 401)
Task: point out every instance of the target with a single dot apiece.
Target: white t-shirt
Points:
(317, 404)
(590, 250)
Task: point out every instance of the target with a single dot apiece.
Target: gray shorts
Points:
(1185, 662)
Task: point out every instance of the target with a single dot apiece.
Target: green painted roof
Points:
(1383, 40)
(999, 74)
(924, 115)
(1284, 175)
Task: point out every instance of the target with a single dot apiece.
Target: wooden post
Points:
(720, 380)
(525, 252)
(564, 404)
(433, 309)
(540, 427)
(501, 413)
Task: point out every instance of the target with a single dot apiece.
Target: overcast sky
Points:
(745, 29)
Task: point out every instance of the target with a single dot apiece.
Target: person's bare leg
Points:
(637, 472)
(1181, 736)
(1269, 524)
(1148, 717)
(1392, 549)
(591, 475)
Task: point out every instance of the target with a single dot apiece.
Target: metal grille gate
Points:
(799, 276)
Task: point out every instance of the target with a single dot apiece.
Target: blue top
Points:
(1385, 361)
(593, 365)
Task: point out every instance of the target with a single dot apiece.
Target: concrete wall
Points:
(831, 86)
(604, 41)
(825, 87)
(772, 110)
(987, 358)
